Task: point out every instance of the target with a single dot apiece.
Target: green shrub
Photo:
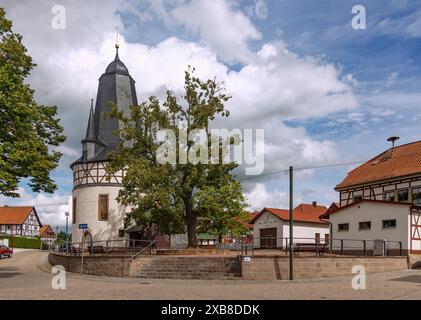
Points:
(23, 243)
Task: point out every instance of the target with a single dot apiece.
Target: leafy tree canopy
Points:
(177, 195)
(27, 130)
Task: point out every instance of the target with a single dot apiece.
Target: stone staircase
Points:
(186, 267)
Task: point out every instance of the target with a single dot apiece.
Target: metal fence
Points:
(130, 248)
(359, 247)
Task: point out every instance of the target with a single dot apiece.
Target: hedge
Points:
(23, 243)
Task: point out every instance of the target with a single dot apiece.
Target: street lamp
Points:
(67, 223)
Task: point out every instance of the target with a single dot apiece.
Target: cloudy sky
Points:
(323, 92)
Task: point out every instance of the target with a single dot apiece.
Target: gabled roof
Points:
(328, 213)
(396, 162)
(302, 213)
(16, 215)
(46, 231)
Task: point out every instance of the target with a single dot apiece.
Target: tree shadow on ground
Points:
(413, 279)
(8, 272)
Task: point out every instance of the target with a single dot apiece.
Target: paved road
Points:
(26, 276)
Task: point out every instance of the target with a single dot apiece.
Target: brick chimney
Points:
(315, 204)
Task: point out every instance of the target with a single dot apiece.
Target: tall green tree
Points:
(171, 194)
(27, 130)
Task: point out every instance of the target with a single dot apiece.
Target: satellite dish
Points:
(393, 140)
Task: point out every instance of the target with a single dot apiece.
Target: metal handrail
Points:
(77, 248)
(284, 244)
(149, 245)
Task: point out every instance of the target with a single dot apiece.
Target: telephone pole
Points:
(291, 223)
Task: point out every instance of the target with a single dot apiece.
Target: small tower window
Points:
(103, 207)
(74, 211)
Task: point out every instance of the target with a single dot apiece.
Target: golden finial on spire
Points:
(117, 45)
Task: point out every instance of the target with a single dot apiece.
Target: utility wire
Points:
(284, 171)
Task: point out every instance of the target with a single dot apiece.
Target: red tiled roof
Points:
(328, 213)
(400, 161)
(46, 231)
(14, 215)
(302, 213)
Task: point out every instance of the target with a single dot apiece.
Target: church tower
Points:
(94, 196)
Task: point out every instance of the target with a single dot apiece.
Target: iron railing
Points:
(129, 248)
(318, 246)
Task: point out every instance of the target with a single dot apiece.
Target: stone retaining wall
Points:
(277, 268)
(111, 266)
(258, 268)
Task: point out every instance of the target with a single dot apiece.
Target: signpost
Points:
(82, 226)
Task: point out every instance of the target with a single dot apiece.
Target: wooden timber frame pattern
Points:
(94, 173)
(376, 191)
(415, 244)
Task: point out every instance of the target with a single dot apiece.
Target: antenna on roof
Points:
(393, 140)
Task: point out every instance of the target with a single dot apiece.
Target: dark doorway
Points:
(268, 238)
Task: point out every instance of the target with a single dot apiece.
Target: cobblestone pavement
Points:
(26, 276)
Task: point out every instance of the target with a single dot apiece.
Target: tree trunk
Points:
(191, 221)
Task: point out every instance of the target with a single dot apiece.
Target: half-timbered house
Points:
(19, 221)
(394, 175)
(381, 201)
(47, 234)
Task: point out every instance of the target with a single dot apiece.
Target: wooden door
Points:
(268, 238)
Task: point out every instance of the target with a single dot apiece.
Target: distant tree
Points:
(62, 236)
(27, 130)
(222, 210)
(171, 194)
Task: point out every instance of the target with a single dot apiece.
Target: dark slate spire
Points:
(90, 131)
(117, 66)
(90, 141)
(116, 86)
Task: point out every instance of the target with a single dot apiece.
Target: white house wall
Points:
(87, 212)
(305, 232)
(375, 213)
(301, 229)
